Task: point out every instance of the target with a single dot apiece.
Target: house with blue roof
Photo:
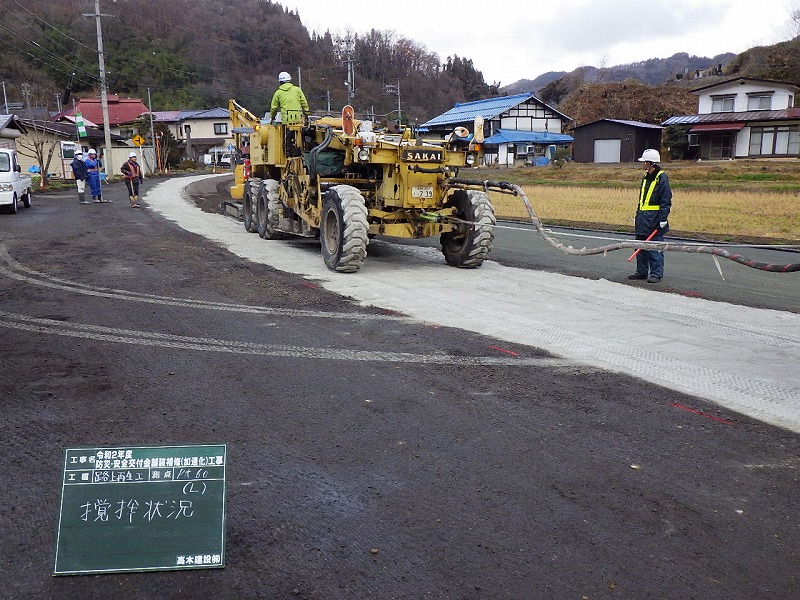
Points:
(518, 129)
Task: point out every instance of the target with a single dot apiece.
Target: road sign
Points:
(152, 508)
(138, 140)
(230, 147)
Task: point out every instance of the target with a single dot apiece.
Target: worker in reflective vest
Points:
(288, 100)
(655, 201)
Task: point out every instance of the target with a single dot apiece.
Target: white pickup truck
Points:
(14, 186)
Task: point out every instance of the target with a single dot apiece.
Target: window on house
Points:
(722, 104)
(220, 129)
(781, 140)
(759, 102)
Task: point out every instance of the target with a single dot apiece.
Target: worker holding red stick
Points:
(655, 201)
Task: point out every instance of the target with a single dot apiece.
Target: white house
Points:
(199, 131)
(744, 118)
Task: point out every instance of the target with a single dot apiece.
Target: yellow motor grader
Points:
(337, 179)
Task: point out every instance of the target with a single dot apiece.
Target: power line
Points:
(185, 72)
(79, 42)
(52, 26)
(40, 47)
(43, 62)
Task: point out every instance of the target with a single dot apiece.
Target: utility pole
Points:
(346, 47)
(152, 129)
(395, 89)
(5, 98)
(107, 163)
(26, 92)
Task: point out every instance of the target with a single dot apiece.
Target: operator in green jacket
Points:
(289, 100)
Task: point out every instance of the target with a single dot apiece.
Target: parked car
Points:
(14, 186)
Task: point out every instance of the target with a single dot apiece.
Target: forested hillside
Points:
(199, 53)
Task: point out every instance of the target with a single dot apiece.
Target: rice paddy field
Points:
(727, 200)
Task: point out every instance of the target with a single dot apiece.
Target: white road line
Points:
(163, 340)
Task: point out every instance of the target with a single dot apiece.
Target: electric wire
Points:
(45, 63)
(185, 72)
(40, 47)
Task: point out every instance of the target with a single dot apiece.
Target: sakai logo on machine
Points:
(420, 155)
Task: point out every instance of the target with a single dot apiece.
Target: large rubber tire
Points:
(26, 199)
(467, 246)
(13, 207)
(267, 210)
(343, 229)
(248, 205)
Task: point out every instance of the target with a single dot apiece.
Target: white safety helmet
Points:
(93, 151)
(283, 77)
(650, 155)
(79, 153)
(132, 155)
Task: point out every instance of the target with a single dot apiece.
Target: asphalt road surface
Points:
(370, 455)
(688, 274)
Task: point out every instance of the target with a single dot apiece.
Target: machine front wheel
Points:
(343, 229)
(467, 246)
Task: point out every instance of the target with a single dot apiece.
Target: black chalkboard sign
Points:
(148, 508)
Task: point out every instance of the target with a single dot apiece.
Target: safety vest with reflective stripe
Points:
(646, 193)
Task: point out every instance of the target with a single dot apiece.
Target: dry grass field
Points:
(730, 200)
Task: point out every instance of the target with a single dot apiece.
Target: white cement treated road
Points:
(745, 359)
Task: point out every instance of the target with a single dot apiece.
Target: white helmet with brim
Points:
(650, 155)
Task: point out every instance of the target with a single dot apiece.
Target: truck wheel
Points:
(467, 246)
(267, 210)
(26, 199)
(248, 214)
(343, 229)
(13, 207)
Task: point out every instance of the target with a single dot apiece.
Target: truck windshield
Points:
(5, 162)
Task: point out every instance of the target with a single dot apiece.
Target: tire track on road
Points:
(164, 340)
(16, 270)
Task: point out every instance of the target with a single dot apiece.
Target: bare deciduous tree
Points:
(39, 145)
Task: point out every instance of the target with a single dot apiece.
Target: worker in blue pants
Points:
(93, 168)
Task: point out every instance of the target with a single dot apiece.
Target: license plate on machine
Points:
(420, 191)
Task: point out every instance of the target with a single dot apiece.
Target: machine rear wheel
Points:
(343, 229)
(267, 210)
(467, 246)
(248, 206)
(26, 199)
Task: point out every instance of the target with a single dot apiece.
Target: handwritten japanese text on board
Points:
(141, 509)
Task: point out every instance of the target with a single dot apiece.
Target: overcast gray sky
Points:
(509, 41)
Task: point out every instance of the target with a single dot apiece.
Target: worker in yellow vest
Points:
(655, 201)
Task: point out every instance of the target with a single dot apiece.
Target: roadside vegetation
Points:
(729, 201)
